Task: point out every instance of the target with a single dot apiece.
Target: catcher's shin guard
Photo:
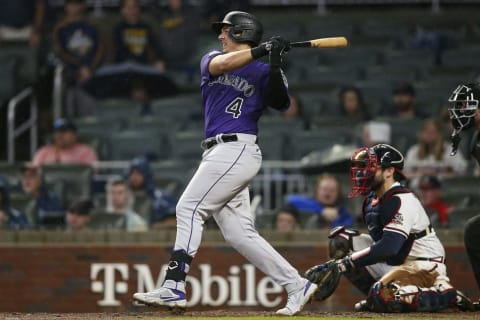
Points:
(360, 278)
(431, 300)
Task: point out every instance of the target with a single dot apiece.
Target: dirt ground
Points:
(226, 313)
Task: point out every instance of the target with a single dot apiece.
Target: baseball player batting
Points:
(400, 265)
(465, 114)
(236, 88)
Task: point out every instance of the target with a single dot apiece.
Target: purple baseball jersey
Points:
(233, 101)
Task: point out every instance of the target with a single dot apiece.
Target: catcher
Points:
(400, 265)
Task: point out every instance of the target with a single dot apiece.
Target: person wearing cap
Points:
(78, 215)
(400, 237)
(48, 204)
(430, 194)
(65, 147)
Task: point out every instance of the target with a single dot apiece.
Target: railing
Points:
(58, 91)
(30, 124)
(270, 185)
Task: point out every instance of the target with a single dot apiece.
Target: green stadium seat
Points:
(71, 181)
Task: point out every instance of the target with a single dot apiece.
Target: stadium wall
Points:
(51, 272)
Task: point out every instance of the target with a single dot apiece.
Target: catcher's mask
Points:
(462, 109)
(365, 162)
(245, 27)
(463, 106)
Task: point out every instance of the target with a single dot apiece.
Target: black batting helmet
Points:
(246, 28)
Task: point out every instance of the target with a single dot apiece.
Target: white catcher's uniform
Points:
(399, 211)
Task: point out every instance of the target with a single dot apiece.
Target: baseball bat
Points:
(331, 42)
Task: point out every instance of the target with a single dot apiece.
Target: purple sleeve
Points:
(204, 64)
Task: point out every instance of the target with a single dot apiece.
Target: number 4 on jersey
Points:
(235, 107)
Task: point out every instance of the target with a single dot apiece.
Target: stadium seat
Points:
(173, 175)
(186, 145)
(72, 181)
(272, 143)
(25, 203)
(11, 172)
(25, 59)
(116, 108)
(8, 79)
(101, 220)
(301, 143)
(126, 145)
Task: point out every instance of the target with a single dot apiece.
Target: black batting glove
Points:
(278, 47)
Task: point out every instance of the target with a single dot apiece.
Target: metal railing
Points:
(30, 124)
(275, 180)
(58, 91)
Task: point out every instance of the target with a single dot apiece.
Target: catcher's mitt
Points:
(326, 276)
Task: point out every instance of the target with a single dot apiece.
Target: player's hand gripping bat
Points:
(331, 42)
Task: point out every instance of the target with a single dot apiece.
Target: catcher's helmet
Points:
(463, 105)
(246, 28)
(365, 162)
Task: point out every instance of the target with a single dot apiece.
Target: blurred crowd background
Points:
(101, 123)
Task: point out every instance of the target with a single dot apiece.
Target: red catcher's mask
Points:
(363, 167)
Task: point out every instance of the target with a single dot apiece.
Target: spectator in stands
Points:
(375, 132)
(431, 197)
(140, 179)
(404, 99)
(431, 155)
(10, 218)
(326, 203)
(134, 41)
(48, 204)
(179, 21)
(65, 148)
(78, 215)
(352, 105)
(287, 219)
(77, 44)
(120, 201)
(22, 20)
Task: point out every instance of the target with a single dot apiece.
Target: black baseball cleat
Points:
(476, 305)
(362, 306)
(464, 303)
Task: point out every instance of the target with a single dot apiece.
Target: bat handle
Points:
(301, 44)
